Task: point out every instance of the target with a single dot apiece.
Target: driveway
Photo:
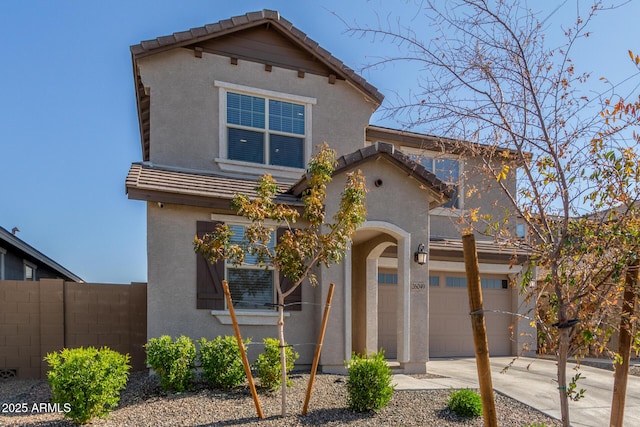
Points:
(532, 381)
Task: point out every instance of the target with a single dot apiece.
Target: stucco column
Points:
(372, 306)
(348, 322)
(403, 308)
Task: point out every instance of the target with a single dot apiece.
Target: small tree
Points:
(300, 249)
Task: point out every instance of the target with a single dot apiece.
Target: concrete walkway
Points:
(532, 381)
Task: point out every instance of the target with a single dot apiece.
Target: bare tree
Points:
(488, 78)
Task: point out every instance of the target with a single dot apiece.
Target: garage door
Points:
(450, 331)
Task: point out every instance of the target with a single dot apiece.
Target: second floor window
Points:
(446, 170)
(265, 131)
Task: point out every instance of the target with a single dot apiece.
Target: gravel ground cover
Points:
(143, 403)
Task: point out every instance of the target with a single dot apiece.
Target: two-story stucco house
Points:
(220, 105)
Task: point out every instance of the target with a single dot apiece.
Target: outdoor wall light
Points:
(421, 255)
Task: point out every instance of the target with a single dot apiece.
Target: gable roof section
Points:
(145, 182)
(439, 191)
(220, 38)
(10, 240)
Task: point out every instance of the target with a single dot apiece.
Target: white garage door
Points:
(450, 331)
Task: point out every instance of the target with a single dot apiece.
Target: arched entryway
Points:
(371, 243)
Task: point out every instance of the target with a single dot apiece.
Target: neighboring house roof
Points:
(146, 182)
(317, 58)
(9, 240)
(441, 192)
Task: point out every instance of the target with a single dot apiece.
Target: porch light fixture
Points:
(421, 255)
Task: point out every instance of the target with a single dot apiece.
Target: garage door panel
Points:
(450, 332)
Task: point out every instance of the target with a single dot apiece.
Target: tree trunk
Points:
(563, 346)
(624, 346)
(563, 354)
(283, 356)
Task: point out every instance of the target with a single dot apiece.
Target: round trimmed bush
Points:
(172, 361)
(369, 382)
(86, 382)
(221, 361)
(465, 403)
(268, 364)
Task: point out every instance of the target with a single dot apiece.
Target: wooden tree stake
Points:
(479, 330)
(243, 353)
(316, 357)
(624, 346)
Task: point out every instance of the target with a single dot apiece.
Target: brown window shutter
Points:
(292, 302)
(210, 294)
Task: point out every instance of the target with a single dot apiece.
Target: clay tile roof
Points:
(145, 182)
(250, 19)
(439, 189)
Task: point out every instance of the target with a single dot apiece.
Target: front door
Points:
(387, 319)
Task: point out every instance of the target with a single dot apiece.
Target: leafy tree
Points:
(488, 78)
(299, 250)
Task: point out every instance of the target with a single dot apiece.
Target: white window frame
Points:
(33, 267)
(229, 165)
(460, 182)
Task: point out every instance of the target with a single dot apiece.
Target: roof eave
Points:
(250, 20)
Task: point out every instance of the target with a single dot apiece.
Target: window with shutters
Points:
(263, 130)
(250, 284)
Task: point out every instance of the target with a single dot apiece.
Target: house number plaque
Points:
(418, 286)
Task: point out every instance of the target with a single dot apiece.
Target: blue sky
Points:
(68, 125)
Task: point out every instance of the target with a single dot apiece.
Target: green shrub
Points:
(465, 403)
(268, 364)
(172, 361)
(221, 361)
(86, 382)
(369, 382)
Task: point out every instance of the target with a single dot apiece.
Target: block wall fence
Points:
(37, 318)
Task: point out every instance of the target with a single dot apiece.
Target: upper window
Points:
(264, 127)
(29, 271)
(446, 170)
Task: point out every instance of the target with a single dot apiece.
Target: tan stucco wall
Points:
(184, 134)
(184, 105)
(402, 206)
(172, 287)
